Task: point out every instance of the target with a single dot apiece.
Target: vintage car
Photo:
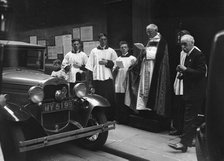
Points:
(210, 135)
(41, 110)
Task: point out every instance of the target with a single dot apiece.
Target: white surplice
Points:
(146, 73)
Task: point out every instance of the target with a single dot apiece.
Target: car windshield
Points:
(27, 58)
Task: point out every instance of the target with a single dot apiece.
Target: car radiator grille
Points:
(52, 121)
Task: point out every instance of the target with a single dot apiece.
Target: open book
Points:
(139, 46)
(120, 64)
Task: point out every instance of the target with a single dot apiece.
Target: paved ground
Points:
(129, 142)
(125, 143)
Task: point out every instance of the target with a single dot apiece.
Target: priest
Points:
(148, 86)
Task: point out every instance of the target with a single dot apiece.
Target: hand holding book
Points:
(139, 46)
(120, 64)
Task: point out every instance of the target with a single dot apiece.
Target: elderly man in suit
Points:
(193, 73)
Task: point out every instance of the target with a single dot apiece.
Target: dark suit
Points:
(194, 92)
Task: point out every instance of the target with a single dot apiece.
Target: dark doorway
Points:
(119, 22)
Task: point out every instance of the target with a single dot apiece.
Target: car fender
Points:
(13, 112)
(96, 100)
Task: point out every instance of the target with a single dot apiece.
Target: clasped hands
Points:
(103, 62)
(76, 65)
(181, 68)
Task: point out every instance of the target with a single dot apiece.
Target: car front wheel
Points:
(97, 140)
(10, 135)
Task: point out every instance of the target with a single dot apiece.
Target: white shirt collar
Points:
(125, 54)
(194, 47)
(190, 51)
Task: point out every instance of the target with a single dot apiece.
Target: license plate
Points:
(57, 106)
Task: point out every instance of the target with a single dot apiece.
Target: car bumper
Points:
(64, 137)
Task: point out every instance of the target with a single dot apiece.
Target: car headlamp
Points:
(36, 94)
(80, 90)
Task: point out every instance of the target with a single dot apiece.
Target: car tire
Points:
(10, 135)
(98, 117)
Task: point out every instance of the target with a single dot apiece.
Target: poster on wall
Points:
(76, 33)
(33, 39)
(88, 46)
(42, 42)
(86, 33)
(58, 40)
(51, 52)
(65, 42)
(59, 49)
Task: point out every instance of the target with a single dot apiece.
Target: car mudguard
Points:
(96, 100)
(13, 112)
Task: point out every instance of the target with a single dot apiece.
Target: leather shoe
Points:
(178, 146)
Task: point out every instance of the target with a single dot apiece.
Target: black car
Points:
(40, 110)
(210, 135)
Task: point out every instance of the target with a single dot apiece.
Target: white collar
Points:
(125, 54)
(194, 47)
(75, 52)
